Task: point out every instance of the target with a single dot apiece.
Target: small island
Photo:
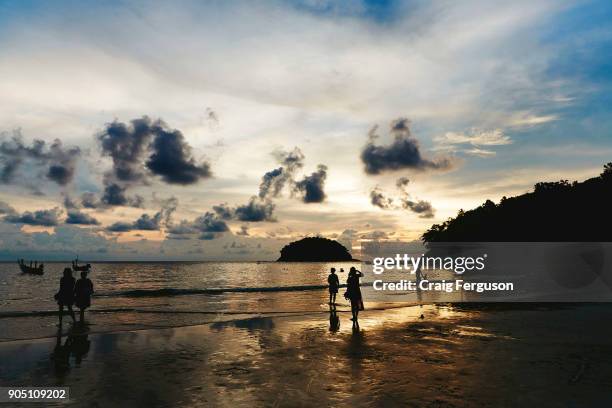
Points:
(315, 249)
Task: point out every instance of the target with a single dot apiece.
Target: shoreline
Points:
(462, 355)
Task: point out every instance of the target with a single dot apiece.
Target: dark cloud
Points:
(59, 161)
(375, 235)
(244, 231)
(115, 194)
(223, 211)
(402, 182)
(172, 160)
(89, 200)
(46, 218)
(69, 203)
(183, 228)
(207, 236)
(169, 155)
(120, 227)
(144, 223)
(311, 187)
(6, 209)
(291, 160)
(208, 226)
(62, 163)
(147, 222)
(255, 210)
(421, 207)
(127, 145)
(272, 183)
(77, 217)
(378, 198)
(402, 153)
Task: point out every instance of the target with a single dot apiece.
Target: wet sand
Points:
(475, 355)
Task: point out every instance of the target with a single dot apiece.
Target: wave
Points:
(167, 292)
(42, 313)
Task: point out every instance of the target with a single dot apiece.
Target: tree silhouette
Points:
(555, 211)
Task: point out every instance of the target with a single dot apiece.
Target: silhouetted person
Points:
(353, 293)
(334, 320)
(83, 289)
(65, 296)
(334, 284)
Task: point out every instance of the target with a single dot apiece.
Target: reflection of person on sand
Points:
(353, 293)
(334, 284)
(65, 296)
(83, 290)
(76, 343)
(334, 320)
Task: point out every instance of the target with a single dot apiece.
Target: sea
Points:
(140, 295)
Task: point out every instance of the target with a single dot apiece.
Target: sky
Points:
(223, 130)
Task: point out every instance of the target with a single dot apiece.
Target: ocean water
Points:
(143, 295)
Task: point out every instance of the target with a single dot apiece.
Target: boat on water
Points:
(34, 269)
(80, 268)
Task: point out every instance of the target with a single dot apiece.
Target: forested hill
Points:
(553, 211)
(314, 249)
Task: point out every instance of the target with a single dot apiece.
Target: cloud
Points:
(172, 160)
(403, 153)
(126, 144)
(146, 222)
(6, 209)
(223, 211)
(205, 227)
(310, 188)
(475, 137)
(402, 182)
(114, 195)
(272, 183)
(69, 203)
(244, 231)
(77, 217)
(421, 207)
(480, 152)
(59, 161)
(145, 147)
(378, 199)
(46, 218)
(89, 200)
(375, 235)
(255, 210)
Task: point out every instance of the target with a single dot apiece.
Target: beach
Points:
(454, 356)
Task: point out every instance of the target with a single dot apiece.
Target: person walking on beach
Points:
(65, 296)
(83, 289)
(353, 293)
(334, 284)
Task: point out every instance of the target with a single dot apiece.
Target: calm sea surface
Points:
(140, 295)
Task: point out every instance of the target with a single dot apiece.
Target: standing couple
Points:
(353, 290)
(71, 292)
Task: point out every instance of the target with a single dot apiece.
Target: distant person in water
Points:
(65, 296)
(334, 284)
(83, 289)
(353, 293)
